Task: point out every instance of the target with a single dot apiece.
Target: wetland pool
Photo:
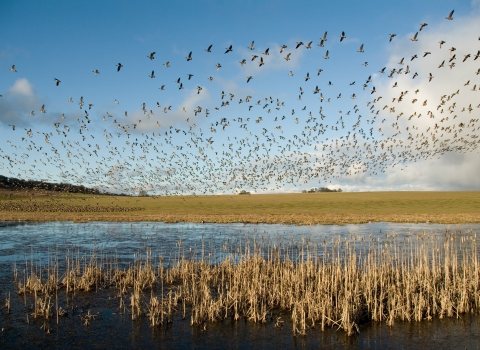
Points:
(40, 244)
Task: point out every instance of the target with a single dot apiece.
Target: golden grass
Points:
(341, 283)
(299, 209)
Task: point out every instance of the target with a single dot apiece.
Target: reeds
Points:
(341, 283)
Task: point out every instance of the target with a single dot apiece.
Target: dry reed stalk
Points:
(342, 283)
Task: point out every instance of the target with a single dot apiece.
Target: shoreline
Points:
(243, 219)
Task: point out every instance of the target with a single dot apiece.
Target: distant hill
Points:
(14, 184)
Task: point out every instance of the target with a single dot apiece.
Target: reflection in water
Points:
(39, 242)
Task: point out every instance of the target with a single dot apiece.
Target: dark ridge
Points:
(14, 184)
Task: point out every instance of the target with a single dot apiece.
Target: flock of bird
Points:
(210, 151)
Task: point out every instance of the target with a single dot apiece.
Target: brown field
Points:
(298, 208)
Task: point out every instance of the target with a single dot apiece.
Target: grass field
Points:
(298, 208)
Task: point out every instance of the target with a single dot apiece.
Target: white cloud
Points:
(22, 87)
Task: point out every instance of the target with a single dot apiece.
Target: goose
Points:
(326, 55)
(249, 78)
(309, 45)
(266, 52)
(441, 42)
(57, 82)
(450, 16)
(152, 75)
(360, 49)
(392, 36)
(251, 47)
(189, 57)
(299, 43)
(414, 37)
(13, 68)
(287, 58)
(229, 49)
(283, 47)
(119, 65)
(423, 25)
(243, 61)
(209, 49)
(96, 72)
(343, 36)
(151, 56)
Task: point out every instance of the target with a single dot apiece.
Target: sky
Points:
(347, 125)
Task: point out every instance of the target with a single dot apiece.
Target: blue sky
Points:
(70, 40)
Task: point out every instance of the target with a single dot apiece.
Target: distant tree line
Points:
(321, 189)
(11, 183)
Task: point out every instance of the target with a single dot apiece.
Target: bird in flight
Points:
(229, 49)
(423, 25)
(360, 49)
(414, 37)
(209, 49)
(251, 47)
(343, 36)
(392, 36)
(189, 57)
(152, 75)
(13, 68)
(450, 16)
(151, 56)
(96, 72)
(119, 65)
(249, 78)
(57, 81)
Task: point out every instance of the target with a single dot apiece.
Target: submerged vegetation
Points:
(342, 283)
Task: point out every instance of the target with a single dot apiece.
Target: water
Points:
(38, 242)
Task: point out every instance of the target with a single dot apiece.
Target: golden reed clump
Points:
(341, 283)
